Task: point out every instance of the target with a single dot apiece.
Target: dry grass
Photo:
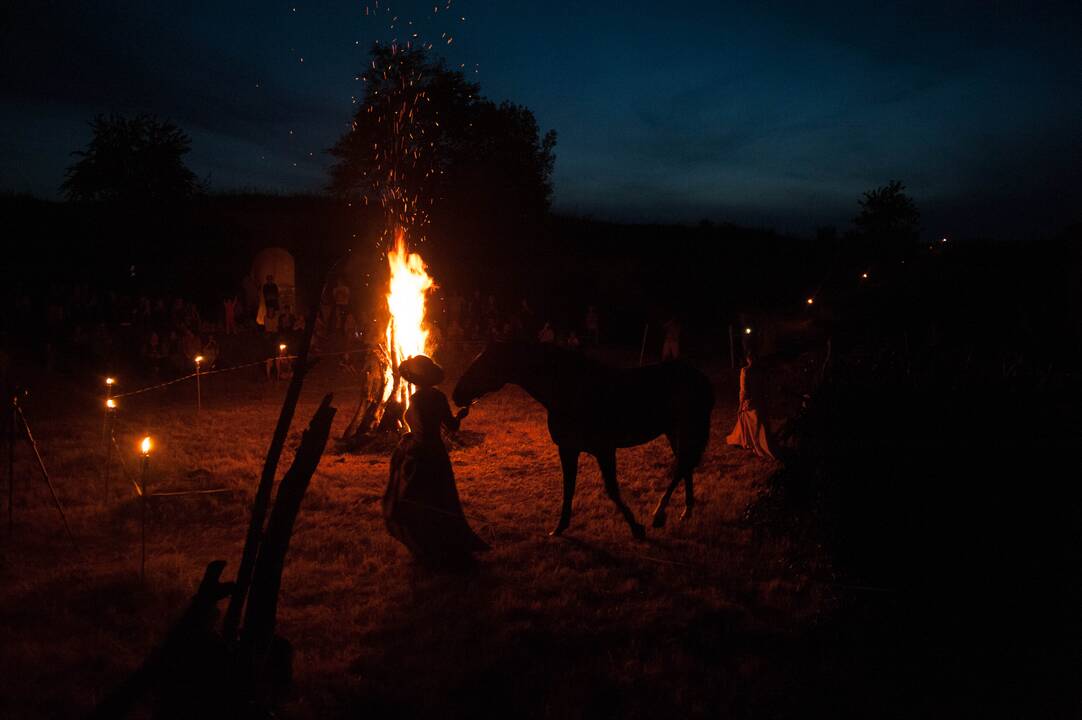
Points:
(592, 623)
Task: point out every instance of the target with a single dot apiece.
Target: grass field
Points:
(712, 614)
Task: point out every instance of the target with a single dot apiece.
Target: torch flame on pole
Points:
(406, 335)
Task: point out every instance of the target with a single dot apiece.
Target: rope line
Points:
(205, 373)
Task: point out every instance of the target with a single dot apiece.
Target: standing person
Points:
(421, 506)
(473, 316)
(454, 308)
(670, 348)
(271, 339)
(270, 296)
(527, 320)
(546, 335)
(341, 305)
(153, 354)
(286, 322)
(593, 325)
(210, 352)
(350, 326)
(750, 430)
(230, 307)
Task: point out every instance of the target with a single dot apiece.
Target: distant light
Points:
(110, 381)
(111, 404)
(747, 331)
(811, 301)
(864, 276)
(943, 240)
(145, 446)
(282, 347)
(198, 359)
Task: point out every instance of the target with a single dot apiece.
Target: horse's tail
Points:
(696, 421)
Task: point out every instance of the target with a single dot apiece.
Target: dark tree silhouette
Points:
(888, 219)
(132, 159)
(425, 143)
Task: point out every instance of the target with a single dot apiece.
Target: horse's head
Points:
(488, 372)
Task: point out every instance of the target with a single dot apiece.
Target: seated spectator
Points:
(153, 353)
(350, 329)
(190, 344)
(210, 352)
(286, 321)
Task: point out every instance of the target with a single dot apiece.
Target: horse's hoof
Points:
(559, 529)
(659, 520)
(638, 531)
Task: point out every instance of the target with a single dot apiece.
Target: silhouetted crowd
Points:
(73, 326)
(482, 318)
(76, 327)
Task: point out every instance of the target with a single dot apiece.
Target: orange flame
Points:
(406, 334)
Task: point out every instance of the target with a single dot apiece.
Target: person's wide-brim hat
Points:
(421, 370)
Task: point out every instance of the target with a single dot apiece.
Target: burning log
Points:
(368, 417)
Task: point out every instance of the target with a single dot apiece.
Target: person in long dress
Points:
(750, 430)
(421, 506)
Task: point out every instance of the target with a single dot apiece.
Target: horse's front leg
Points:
(606, 460)
(569, 461)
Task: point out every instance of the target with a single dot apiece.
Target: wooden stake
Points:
(108, 456)
(11, 470)
(44, 473)
(143, 520)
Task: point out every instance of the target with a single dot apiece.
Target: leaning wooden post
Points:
(262, 608)
(231, 621)
(266, 482)
(642, 351)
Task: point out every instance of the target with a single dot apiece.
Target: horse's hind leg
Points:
(659, 511)
(606, 460)
(689, 495)
(569, 461)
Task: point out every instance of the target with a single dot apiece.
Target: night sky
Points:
(766, 114)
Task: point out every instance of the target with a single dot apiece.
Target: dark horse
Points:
(596, 409)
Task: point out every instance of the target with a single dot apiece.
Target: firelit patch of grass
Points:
(590, 623)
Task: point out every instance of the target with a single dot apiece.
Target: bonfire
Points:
(379, 416)
(406, 333)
